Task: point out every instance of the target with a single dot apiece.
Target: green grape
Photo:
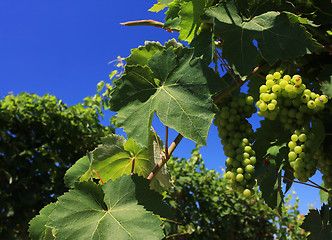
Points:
(276, 88)
(289, 88)
(283, 83)
(303, 137)
(239, 170)
(292, 156)
(277, 75)
(247, 193)
(263, 89)
(311, 104)
(239, 177)
(291, 145)
(294, 137)
(269, 77)
(271, 106)
(298, 149)
(269, 83)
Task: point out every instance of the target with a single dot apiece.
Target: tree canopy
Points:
(40, 137)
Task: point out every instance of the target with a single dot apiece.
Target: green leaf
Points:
(251, 8)
(326, 78)
(100, 86)
(317, 223)
(268, 133)
(180, 96)
(112, 211)
(38, 229)
(324, 196)
(157, 7)
(279, 36)
(172, 19)
(114, 158)
(190, 18)
(254, 84)
(75, 172)
(203, 45)
(142, 54)
(318, 130)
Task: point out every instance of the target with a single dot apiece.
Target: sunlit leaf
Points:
(175, 87)
(278, 36)
(113, 210)
(38, 229)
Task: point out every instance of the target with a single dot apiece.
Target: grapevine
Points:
(177, 84)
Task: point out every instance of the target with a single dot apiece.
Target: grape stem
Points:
(175, 235)
(164, 159)
(101, 180)
(148, 22)
(166, 143)
(315, 186)
(237, 83)
(133, 166)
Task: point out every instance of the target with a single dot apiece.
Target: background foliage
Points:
(207, 207)
(40, 137)
(250, 39)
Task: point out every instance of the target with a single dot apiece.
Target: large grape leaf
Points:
(318, 223)
(175, 86)
(114, 158)
(112, 211)
(38, 229)
(251, 8)
(279, 36)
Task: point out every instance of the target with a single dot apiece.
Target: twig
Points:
(319, 187)
(148, 22)
(155, 135)
(230, 88)
(133, 166)
(163, 160)
(234, 85)
(98, 176)
(176, 234)
(166, 143)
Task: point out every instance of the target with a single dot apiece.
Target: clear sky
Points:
(63, 47)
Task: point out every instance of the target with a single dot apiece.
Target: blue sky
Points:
(64, 48)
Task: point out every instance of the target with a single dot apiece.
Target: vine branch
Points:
(148, 22)
(314, 186)
(164, 159)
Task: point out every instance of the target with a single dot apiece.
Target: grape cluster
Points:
(236, 137)
(288, 98)
(300, 156)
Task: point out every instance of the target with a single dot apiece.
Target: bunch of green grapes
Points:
(288, 98)
(300, 155)
(236, 137)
